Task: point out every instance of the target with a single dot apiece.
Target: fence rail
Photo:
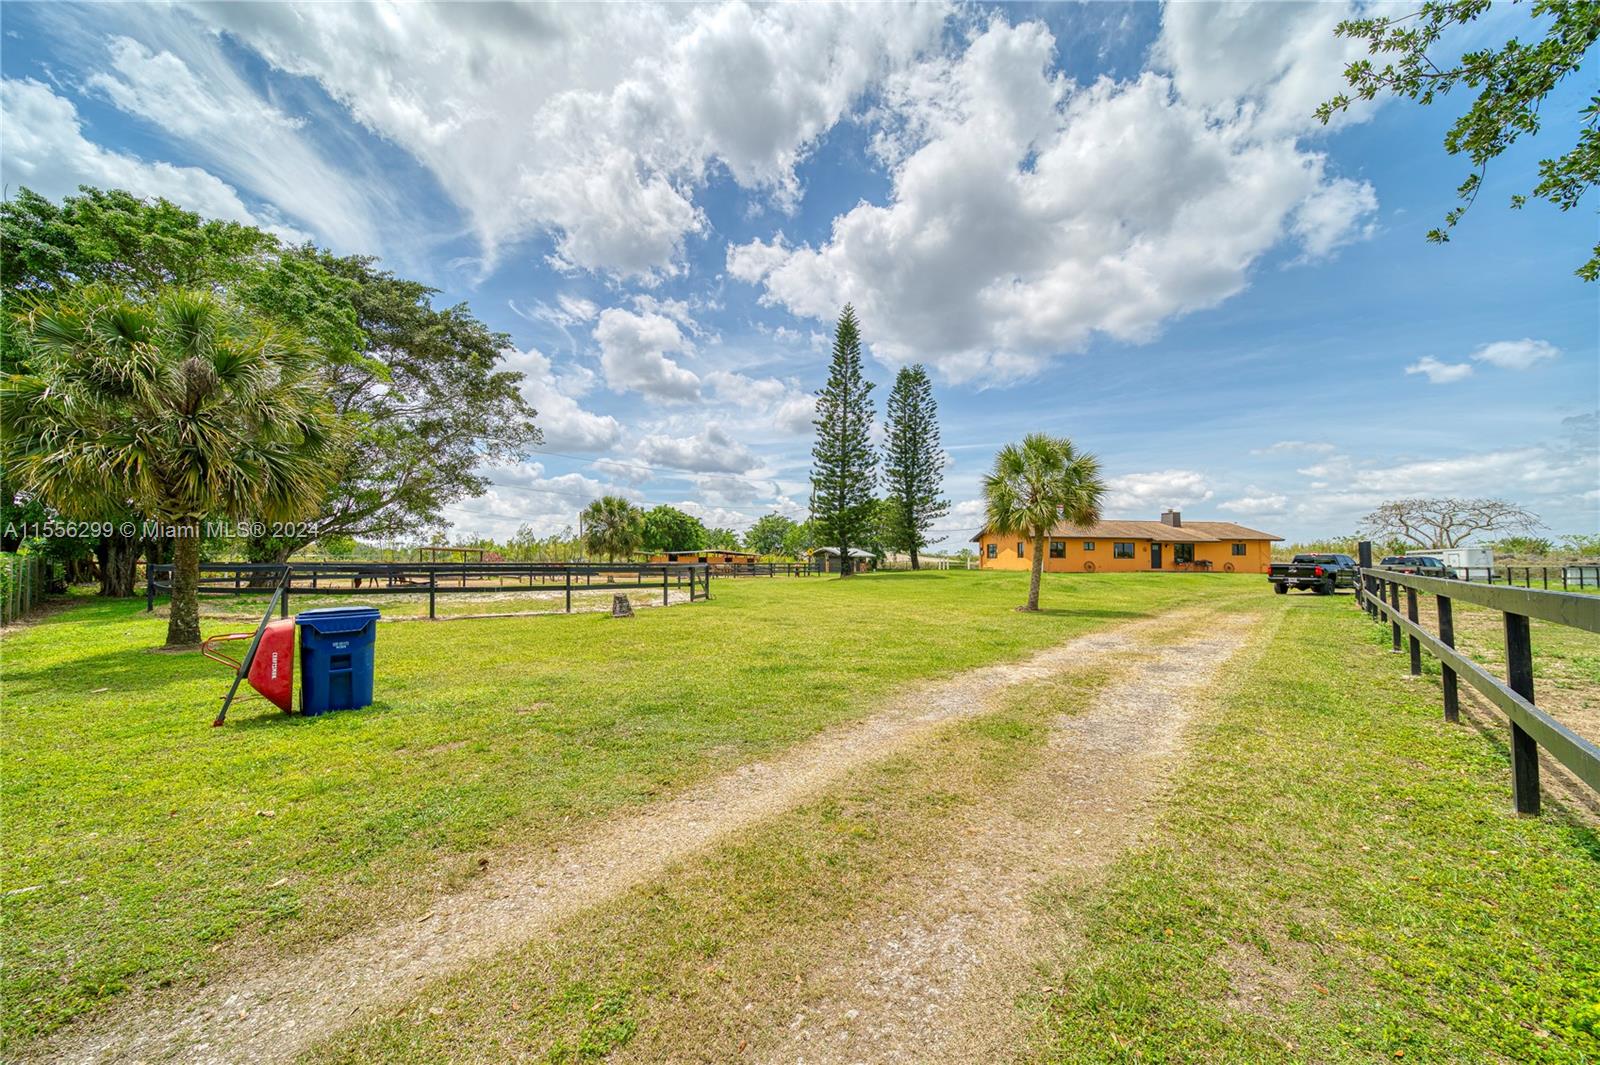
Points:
(24, 579)
(766, 569)
(1378, 592)
(435, 579)
(1566, 577)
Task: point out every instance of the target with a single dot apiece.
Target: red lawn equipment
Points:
(268, 662)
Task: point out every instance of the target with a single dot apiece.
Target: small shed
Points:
(826, 559)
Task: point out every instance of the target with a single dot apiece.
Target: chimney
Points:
(1172, 518)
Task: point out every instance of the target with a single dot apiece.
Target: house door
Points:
(1155, 556)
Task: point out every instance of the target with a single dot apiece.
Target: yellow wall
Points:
(1257, 556)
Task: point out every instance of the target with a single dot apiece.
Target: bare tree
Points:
(1446, 522)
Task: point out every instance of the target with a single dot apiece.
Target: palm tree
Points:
(612, 526)
(179, 405)
(1034, 485)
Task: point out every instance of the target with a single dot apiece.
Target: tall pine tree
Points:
(913, 462)
(843, 466)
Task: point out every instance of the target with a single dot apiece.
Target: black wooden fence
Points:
(767, 569)
(1378, 591)
(436, 578)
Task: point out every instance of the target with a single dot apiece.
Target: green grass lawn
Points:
(1339, 878)
(143, 846)
(1336, 876)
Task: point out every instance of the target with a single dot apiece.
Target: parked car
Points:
(1319, 573)
(1422, 565)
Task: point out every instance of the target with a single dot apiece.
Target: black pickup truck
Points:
(1319, 573)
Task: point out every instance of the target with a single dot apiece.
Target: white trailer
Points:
(1463, 558)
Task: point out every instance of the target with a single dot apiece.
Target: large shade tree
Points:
(139, 246)
(1445, 522)
(612, 527)
(666, 528)
(769, 534)
(1035, 484)
(425, 390)
(181, 406)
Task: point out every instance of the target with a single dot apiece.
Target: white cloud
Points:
(1265, 66)
(1512, 471)
(1139, 495)
(1334, 215)
(1288, 447)
(633, 355)
(1516, 354)
(767, 401)
(190, 90)
(716, 516)
(1028, 213)
(525, 494)
(727, 490)
(565, 424)
(1258, 503)
(45, 150)
(627, 472)
(1440, 373)
(595, 122)
(711, 450)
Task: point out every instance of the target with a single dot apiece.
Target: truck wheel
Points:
(1325, 588)
(1281, 589)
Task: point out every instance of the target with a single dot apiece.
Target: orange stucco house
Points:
(1136, 546)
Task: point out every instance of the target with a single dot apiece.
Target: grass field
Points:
(1333, 874)
(143, 847)
(1336, 876)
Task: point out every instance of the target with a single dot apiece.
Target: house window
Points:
(1088, 545)
(1183, 552)
(994, 550)
(1121, 549)
(1238, 549)
(1058, 549)
(1019, 550)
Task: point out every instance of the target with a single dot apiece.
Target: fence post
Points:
(288, 579)
(1524, 751)
(665, 601)
(568, 574)
(1447, 636)
(1394, 601)
(433, 591)
(1364, 560)
(1415, 644)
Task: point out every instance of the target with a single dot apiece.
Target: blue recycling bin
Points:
(336, 646)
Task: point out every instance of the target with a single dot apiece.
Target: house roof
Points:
(1190, 532)
(855, 552)
(1227, 530)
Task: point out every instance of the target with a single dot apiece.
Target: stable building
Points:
(1135, 546)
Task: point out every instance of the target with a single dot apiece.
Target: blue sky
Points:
(1113, 222)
